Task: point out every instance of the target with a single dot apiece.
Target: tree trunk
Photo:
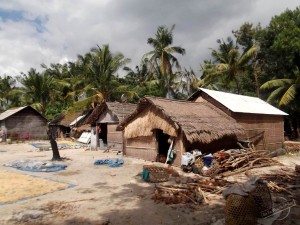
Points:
(52, 137)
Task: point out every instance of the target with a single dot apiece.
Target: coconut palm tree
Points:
(39, 89)
(283, 91)
(6, 87)
(231, 65)
(162, 58)
(100, 66)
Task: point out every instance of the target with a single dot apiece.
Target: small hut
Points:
(68, 120)
(104, 120)
(159, 122)
(263, 123)
(23, 123)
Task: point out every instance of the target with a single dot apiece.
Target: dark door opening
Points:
(103, 132)
(163, 145)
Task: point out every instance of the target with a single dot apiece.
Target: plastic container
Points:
(9, 141)
(208, 160)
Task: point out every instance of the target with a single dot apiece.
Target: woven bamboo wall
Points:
(266, 131)
(146, 148)
(141, 148)
(114, 138)
(25, 122)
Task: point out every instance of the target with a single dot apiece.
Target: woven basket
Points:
(156, 174)
(240, 210)
(263, 200)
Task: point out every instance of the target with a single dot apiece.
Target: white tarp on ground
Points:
(85, 138)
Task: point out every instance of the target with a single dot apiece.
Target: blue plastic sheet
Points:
(35, 166)
(110, 162)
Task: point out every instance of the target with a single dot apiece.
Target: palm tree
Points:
(162, 57)
(39, 89)
(283, 91)
(231, 64)
(100, 67)
(6, 87)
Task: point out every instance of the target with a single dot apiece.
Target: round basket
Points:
(240, 210)
(156, 174)
(263, 200)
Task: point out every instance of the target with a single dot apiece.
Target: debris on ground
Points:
(110, 162)
(284, 182)
(292, 146)
(35, 165)
(227, 162)
(189, 190)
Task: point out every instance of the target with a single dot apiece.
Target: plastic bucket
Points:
(207, 160)
(8, 140)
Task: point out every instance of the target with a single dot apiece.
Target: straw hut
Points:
(23, 123)
(69, 123)
(263, 123)
(104, 120)
(157, 122)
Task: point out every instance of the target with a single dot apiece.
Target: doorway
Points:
(163, 145)
(102, 130)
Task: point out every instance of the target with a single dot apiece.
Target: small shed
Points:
(104, 120)
(263, 123)
(23, 123)
(157, 122)
(68, 120)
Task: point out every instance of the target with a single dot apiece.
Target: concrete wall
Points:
(27, 121)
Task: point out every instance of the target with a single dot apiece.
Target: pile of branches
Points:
(283, 182)
(190, 192)
(237, 161)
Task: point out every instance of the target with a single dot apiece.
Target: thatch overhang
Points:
(199, 121)
(119, 110)
(67, 117)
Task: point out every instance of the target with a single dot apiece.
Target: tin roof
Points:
(242, 103)
(10, 112)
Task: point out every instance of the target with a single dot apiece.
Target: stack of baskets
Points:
(155, 174)
(246, 209)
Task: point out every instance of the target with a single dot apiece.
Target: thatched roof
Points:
(120, 110)
(200, 121)
(67, 117)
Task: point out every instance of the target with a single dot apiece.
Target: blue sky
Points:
(33, 32)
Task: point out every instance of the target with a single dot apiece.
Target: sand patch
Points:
(16, 186)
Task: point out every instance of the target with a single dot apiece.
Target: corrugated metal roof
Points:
(10, 112)
(77, 119)
(243, 104)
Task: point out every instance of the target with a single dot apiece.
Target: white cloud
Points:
(72, 27)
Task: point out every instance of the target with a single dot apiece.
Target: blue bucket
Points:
(207, 160)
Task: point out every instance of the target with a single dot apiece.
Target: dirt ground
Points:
(104, 195)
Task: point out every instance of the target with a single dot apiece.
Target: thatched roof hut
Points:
(200, 122)
(194, 125)
(104, 120)
(119, 111)
(70, 119)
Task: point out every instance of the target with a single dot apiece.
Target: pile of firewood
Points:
(233, 162)
(190, 192)
(283, 182)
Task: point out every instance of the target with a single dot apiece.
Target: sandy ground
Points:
(104, 195)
